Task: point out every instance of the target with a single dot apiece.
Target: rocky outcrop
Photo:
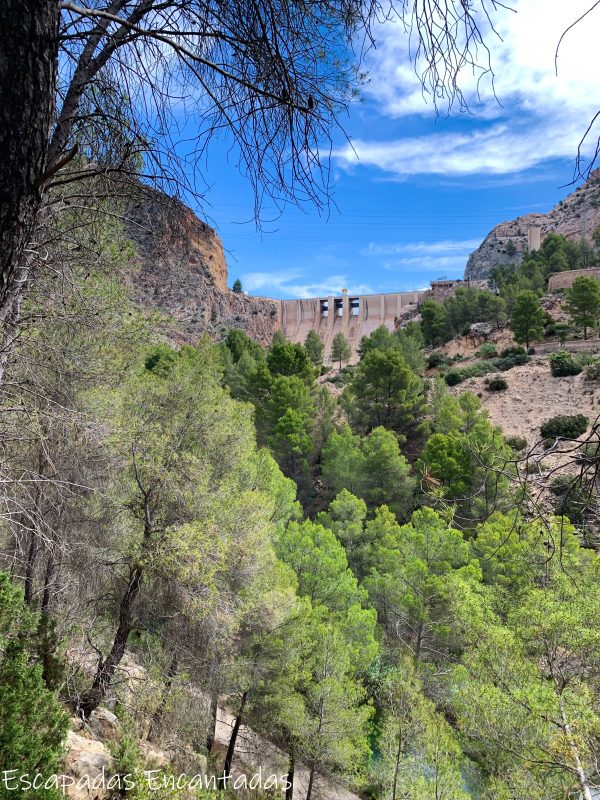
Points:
(181, 270)
(575, 217)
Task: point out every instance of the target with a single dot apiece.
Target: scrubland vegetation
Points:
(358, 574)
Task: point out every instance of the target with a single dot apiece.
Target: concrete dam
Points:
(354, 317)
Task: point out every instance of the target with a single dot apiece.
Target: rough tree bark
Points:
(232, 741)
(28, 64)
(212, 724)
(107, 667)
(289, 791)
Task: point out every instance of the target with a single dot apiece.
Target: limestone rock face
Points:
(575, 217)
(182, 271)
(86, 761)
(103, 723)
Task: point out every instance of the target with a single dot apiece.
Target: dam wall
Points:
(353, 316)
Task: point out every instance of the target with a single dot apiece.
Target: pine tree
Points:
(583, 303)
(340, 349)
(527, 320)
(32, 722)
(237, 286)
(314, 347)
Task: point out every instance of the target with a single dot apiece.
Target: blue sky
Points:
(417, 192)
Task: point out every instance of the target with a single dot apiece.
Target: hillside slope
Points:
(575, 217)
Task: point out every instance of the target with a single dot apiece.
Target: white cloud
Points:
(540, 116)
(429, 248)
(290, 283)
(439, 264)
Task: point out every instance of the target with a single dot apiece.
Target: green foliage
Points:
(239, 344)
(475, 370)
(463, 460)
(314, 348)
(487, 350)
(237, 286)
(497, 384)
(160, 359)
(527, 319)
(408, 341)
(516, 443)
(340, 349)
(571, 498)
(384, 391)
(592, 372)
(371, 467)
(438, 359)
(417, 573)
(33, 724)
(565, 427)
(563, 364)
(380, 339)
(434, 323)
(285, 358)
(582, 303)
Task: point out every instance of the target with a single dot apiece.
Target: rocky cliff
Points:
(182, 272)
(575, 217)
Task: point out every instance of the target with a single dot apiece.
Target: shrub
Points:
(516, 443)
(476, 370)
(516, 350)
(567, 427)
(497, 384)
(592, 373)
(487, 350)
(531, 351)
(453, 377)
(563, 364)
(571, 500)
(437, 359)
(505, 363)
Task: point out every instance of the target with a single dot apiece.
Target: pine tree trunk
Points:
(32, 552)
(289, 791)
(232, 741)
(107, 667)
(584, 783)
(28, 62)
(214, 708)
(311, 781)
(160, 711)
(397, 764)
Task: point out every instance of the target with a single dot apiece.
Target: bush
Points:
(476, 370)
(592, 373)
(497, 384)
(33, 723)
(563, 364)
(516, 350)
(516, 443)
(531, 351)
(564, 426)
(487, 350)
(571, 500)
(505, 363)
(453, 377)
(437, 359)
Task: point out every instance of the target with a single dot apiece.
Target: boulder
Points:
(87, 761)
(103, 724)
